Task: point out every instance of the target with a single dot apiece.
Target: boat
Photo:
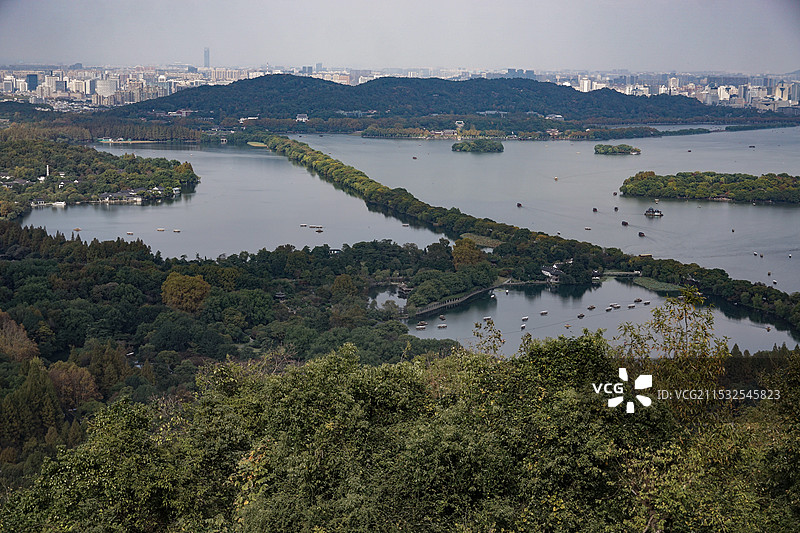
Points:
(774, 282)
(591, 308)
(406, 225)
(303, 225)
(655, 200)
(525, 319)
(487, 318)
(624, 222)
(522, 326)
(631, 306)
(441, 326)
(567, 326)
(616, 208)
(176, 230)
(609, 309)
(422, 323)
(542, 313)
(594, 210)
(442, 317)
(506, 291)
(59, 204)
(752, 146)
(420, 327)
(646, 302)
(615, 193)
(769, 328)
(587, 228)
(76, 229)
(755, 253)
(414, 157)
(733, 230)
(637, 300)
(129, 233)
(555, 179)
(615, 305)
(319, 231)
(519, 204)
(492, 296)
(641, 234)
(653, 213)
(159, 229)
(581, 315)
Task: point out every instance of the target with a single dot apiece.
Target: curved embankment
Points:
(522, 248)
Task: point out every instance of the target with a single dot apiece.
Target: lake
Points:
(564, 304)
(250, 198)
(247, 199)
(491, 185)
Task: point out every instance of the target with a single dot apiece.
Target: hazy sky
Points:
(748, 36)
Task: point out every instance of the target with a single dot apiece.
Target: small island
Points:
(479, 146)
(619, 149)
(715, 186)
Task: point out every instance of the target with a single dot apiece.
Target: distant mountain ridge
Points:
(285, 96)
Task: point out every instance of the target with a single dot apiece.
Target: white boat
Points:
(646, 302)
(176, 230)
(522, 326)
(441, 326)
(524, 318)
(609, 309)
(159, 229)
(59, 204)
(487, 318)
(303, 225)
(542, 313)
(631, 306)
(420, 327)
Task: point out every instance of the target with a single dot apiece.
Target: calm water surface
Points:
(247, 199)
(564, 304)
(250, 199)
(490, 185)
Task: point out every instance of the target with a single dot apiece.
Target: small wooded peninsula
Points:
(715, 186)
(478, 146)
(38, 172)
(618, 149)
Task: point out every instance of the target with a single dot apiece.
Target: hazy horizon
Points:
(736, 36)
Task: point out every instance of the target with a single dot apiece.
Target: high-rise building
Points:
(33, 81)
(206, 57)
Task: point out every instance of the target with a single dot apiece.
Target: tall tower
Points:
(206, 57)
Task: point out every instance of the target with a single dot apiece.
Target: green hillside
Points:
(284, 96)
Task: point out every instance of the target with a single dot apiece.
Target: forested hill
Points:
(284, 96)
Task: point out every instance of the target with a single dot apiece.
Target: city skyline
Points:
(733, 36)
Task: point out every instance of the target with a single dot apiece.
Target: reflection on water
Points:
(564, 304)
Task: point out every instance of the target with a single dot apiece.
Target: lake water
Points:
(249, 199)
(491, 185)
(564, 304)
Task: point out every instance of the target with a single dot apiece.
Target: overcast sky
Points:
(750, 36)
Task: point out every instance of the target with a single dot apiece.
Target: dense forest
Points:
(619, 149)
(80, 174)
(284, 96)
(713, 185)
(462, 442)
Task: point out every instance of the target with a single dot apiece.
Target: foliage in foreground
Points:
(467, 442)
